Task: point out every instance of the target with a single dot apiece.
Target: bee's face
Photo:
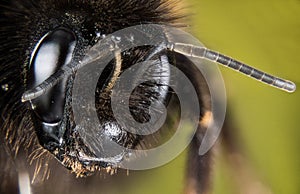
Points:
(41, 39)
(38, 39)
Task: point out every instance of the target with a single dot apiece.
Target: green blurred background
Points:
(266, 35)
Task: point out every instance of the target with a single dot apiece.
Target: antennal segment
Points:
(202, 52)
(48, 83)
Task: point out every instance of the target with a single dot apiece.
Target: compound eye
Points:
(53, 51)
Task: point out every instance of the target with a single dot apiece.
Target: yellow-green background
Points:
(264, 34)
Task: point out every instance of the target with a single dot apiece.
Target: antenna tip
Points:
(30, 95)
(290, 87)
(25, 97)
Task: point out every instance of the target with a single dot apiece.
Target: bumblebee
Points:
(39, 38)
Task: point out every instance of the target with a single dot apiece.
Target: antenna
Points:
(204, 53)
(182, 48)
(46, 85)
